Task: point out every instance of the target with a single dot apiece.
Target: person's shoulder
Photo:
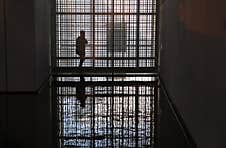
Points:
(78, 38)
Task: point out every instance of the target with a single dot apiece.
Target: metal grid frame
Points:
(121, 33)
(118, 112)
(123, 38)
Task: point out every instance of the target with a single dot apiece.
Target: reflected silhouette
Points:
(80, 92)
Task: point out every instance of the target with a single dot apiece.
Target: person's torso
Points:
(81, 43)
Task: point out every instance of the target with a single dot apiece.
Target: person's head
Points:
(82, 33)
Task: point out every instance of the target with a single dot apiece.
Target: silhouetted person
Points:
(80, 47)
(80, 92)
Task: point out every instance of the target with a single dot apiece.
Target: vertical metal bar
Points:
(123, 116)
(76, 111)
(128, 105)
(137, 114)
(93, 119)
(61, 118)
(137, 33)
(146, 33)
(70, 37)
(113, 32)
(54, 105)
(53, 34)
(156, 114)
(129, 46)
(157, 24)
(93, 31)
(107, 34)
(123, 27)
(112, 115)
(107, 115)
(145, 111)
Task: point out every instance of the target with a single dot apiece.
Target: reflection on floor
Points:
(106, 111)
(26, 119)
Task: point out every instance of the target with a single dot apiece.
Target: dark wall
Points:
(42, 39)
(26, 120)
(172, 135)
(20, 45)
(193, 41)
(2, 47)
(3, 121)
(24, 65)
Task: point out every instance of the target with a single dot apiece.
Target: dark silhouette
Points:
(80, 92)
(80, 47)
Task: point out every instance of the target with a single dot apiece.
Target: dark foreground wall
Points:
(26, 120)
(24, 48)
(193, 58)
(2, 46)
(25, 114)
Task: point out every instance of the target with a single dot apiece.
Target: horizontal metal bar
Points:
(102, 83)
(103, 13)
(97, 137)
(108, 95)
(105, 75)
(107, 58)
(106, 70)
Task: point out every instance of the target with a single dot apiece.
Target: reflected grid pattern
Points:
(119, 113)
(120, 33)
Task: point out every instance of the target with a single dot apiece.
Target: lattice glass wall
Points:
(120, 33)
(118, 112)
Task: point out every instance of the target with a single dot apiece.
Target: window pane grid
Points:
(111, 33)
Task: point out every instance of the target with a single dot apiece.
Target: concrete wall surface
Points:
(26, 120)
(42, 40)
(2, 48)
(24, 58)
(20, 45)
(193, 49)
